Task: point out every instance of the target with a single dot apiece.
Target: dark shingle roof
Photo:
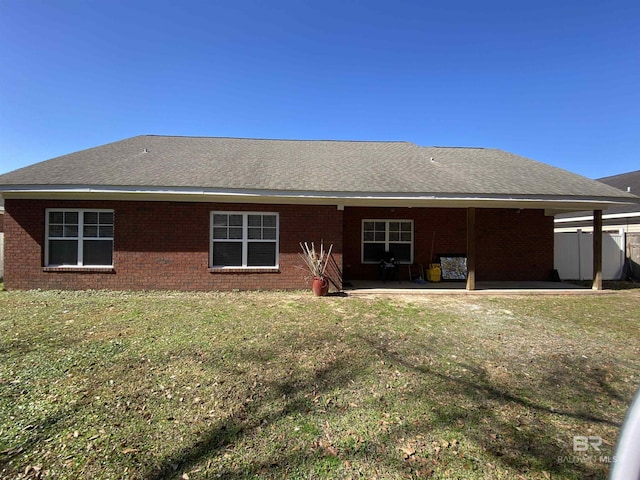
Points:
(308, 166)
(625, 181)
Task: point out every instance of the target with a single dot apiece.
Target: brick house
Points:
(194, 213)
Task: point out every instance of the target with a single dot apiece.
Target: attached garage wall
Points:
(510, 244)
(163, 245)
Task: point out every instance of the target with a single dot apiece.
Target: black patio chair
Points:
(389, 267)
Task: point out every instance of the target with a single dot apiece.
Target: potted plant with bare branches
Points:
(316, 262)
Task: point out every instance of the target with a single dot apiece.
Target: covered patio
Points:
(503, 248)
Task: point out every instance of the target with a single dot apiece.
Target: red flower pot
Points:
(320, 286)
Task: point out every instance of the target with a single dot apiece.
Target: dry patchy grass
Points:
(285, 385)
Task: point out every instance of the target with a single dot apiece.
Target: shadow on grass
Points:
(532, 444)
(249, 418)
(39, 431)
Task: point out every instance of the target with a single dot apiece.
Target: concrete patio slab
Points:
(368, 287)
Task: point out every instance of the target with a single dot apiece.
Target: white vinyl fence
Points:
(573, 255)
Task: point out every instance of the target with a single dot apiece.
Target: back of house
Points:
(208, 213)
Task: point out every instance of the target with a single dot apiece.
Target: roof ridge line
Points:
(452, 147)
(277, 139)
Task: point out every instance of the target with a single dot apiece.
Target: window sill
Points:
(79, 269)
(244, 270)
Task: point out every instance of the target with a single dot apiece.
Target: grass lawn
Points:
(159, 385)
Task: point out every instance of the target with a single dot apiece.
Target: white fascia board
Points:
(391, 199)
(585, 218)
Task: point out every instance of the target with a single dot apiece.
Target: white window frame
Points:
(386, 242)
(80, 237)
(245, 240)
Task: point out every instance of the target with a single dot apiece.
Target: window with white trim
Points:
(379, 236)
(81, 238)
(244, 239)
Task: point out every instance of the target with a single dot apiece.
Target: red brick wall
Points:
(512, 245)
(509, 245)
(162, 245)
(165, 245)
(449, 226)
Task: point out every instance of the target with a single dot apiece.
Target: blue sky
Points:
(557, 81)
